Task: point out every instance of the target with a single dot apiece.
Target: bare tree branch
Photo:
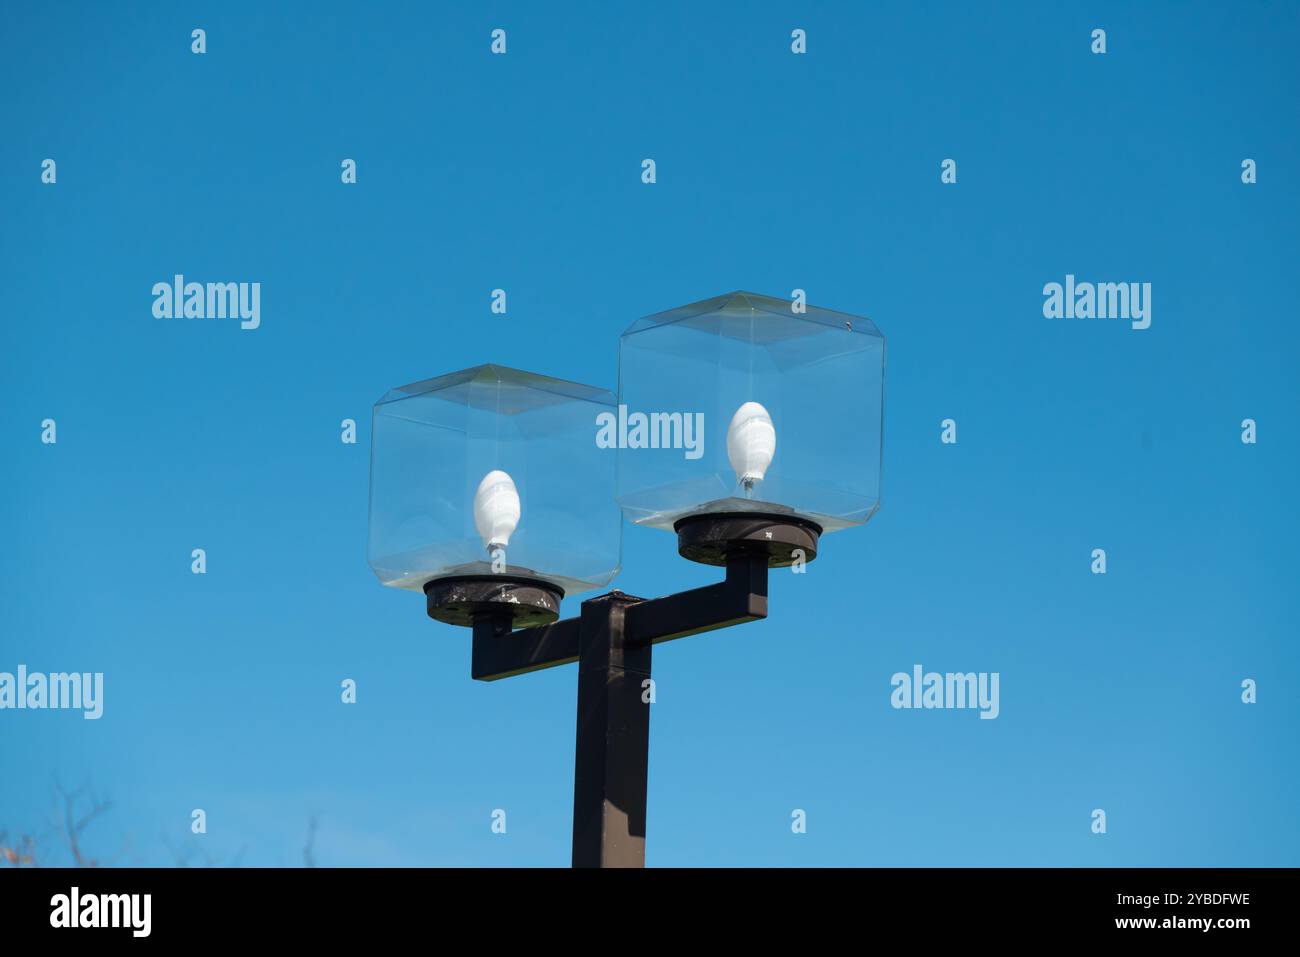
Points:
(308, 854)
(21, 852)
(75, 824)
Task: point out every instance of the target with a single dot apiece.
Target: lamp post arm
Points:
(741, 597)
(501, 653)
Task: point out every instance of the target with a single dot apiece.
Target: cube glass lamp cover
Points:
(492, 463)
(792, 406)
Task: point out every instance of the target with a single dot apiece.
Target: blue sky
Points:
(775, 171)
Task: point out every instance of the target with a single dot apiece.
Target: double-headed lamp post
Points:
(747, 425)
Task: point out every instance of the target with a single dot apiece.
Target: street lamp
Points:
(488, 494)
(792, 406)
(747, 425)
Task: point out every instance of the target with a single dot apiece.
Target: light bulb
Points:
(496, 509)
(751, 443)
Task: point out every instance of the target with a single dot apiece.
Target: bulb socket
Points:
(711, 537)
(524, 602)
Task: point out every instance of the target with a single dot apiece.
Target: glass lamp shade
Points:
(492, 471)
(789, 406)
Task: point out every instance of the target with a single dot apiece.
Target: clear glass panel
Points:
(818, 376)
(434, 442)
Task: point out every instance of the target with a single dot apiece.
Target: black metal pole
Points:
(611, 762)
(611, 640)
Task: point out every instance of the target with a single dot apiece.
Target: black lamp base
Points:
(711, 537)
(521, 602)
